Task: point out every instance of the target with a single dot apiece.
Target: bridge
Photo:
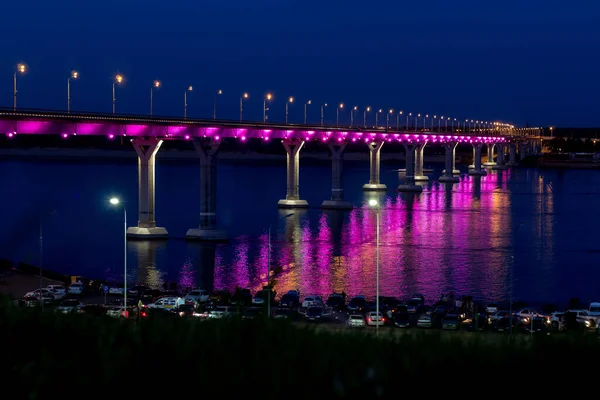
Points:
(147, 133)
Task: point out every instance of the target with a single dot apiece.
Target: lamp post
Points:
(387, 119)
(337, 114)
(398, 120)
(452, 123)
(21, 68)
(433, 122)
(287, 103)
(322, 112)
(115, 202)
(189, 89)
(417, 122)
(407, 122)
(242, 97)
(365, 116)
(374, 204)
(377, 118)
(217, 93)
(308, 103)
(355, 108)
(425, 122)
(268, 97)
(74, 75)
(118, 79)
(269, 266)
(155, 84)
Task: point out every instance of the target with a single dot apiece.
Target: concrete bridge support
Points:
(337, 179)
(207, 231)
(477, 171)
(292, 197)
(448, 175)
(500, 158)
(374, 164)
(409, 184)
(419, 177)
(490, 155)
(146, 228)
(512, 155)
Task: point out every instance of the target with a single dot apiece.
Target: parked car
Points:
(68, 306)
(316, 314)
(167, 302)
(251, 313)
(116, 289)
(401, 319)
(594, 309)
(373, 318)
(221, 312)
(415, 304)
(451, 322)
(357, 304)
(46, 296)
(356, 320)
(242, 297)
(312, 301)
(137, 290)
(76, 288)
(336, 301)
(58, 291)
(184, 310)
(491, 308)
(31, 301)
(289, 300)
(424, 321)
(197, 296)
(119, 311)
(96, 310)
(262, 296)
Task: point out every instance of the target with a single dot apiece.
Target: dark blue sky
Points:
(520, 61)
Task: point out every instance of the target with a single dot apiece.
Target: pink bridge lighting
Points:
(26, 122)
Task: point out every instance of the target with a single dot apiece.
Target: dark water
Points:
(461, 238)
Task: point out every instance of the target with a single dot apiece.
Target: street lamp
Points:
(355, 108)
(21, 68)
(287, 103)
(189, 89)
(398, 120)
(306, 104)
(407, 121)
(217, 93)
(377, 118)
(417, 122)
(374, 204)
(322, 109)
(74, 75)
(337, 114)
(268, 97)
(269, 267)
(155, 84)
(118, 79)
(242, 97)
(387, 119)
(365, 116)
(116, 202)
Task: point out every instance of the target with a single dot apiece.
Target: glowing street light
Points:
(189, 89)
(287, 103)
(374, 204)
(368, 109)
(242, 97)
(155, 84)
(268, 97)
(337, 114)
(21, 69)
(217, 93)
(387, 119)
(308, 103)
(377, 118)
(398, 120)
(116, 202)
(355, 108)
(118, 79)
(322, 111)
(74, 75)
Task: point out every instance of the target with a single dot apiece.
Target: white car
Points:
(312, 301)
(67, 306)
(46, 295)
(197, 296)
(76, 288)
(373, 318)
(58, 291)
(117, 289)
(356, 320)
(167, 303)
(594, 309)
(584, 318)
(220, 312)
(526, 313)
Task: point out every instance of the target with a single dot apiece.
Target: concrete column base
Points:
(135, 232)
(284, 203)
(206, 235)
(421, 178)
(489, 164)
(478, 173)
(454, 172)
(499, 167)
(448, 179)
(337, 205)
(512, 164)
(410, 188)
(374, 187)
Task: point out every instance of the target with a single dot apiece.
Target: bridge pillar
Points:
(419, 177)
(523, 150)
(490, 155)
(374, 165)
(477, 161)
(409, 185)
(207, 231)
(450, 156)
(500, 158)
(146, 228)
(337, 179)
(512, 154)
(292, 197)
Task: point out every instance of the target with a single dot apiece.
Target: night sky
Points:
(531, 61)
